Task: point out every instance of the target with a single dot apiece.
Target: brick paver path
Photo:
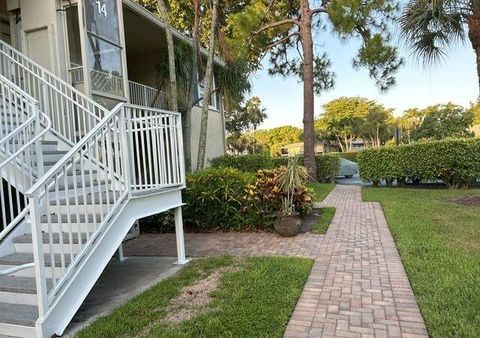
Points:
(358, 286)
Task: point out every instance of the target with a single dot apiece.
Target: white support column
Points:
(179, 237)
(119, 254)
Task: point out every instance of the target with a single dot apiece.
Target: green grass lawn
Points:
(439, 242)
(321, 190)
(326, 216)
(255, 299)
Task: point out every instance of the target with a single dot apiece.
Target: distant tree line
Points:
(349, 119)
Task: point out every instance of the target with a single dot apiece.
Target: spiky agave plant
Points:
(293, 178)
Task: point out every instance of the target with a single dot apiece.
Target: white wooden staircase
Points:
(75, 178)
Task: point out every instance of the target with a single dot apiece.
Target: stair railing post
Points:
(45, 100)
(38, 254)
(125, 149)
(38, 142)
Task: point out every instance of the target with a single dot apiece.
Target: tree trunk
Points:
(202, 144)
(162, 9)
(474, 36)
(187, 121)
(308, 92)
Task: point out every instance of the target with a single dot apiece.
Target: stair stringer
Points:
(88, 270)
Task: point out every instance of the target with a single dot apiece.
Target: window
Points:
(104, 54)
(73, 34)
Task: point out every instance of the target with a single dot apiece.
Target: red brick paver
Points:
(358, 286)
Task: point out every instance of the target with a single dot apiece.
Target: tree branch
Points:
(277, 24)
(318, 10)
(285, 39)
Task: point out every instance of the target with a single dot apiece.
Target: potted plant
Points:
(289, 220)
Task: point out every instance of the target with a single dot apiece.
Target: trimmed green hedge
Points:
(247, 163)
(455, 161)
(328, 165)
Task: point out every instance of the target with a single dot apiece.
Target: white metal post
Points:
(179, 237)
(125, 149)
(38, 143)
(38, 258)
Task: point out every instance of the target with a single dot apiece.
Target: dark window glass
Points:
(101, 18)
(105, 66)
(73, 32)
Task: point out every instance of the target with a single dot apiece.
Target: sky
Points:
(452, 80)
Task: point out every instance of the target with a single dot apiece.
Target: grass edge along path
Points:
(255, 299)
(439, 244)
(321, 190)
(326, 216)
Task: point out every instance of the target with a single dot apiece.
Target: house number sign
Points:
(102, 8)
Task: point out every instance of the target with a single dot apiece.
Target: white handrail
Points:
(23, 160)
(10, 271)
(72, 113)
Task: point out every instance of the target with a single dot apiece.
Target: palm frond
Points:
(430, 27)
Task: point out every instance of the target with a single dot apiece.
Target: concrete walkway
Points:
(358, 286)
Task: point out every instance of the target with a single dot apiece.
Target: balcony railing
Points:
(146, 96)
(140, 94)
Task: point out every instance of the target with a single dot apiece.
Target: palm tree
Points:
(431, 26)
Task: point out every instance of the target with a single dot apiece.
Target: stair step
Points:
(88, 184)
(88, 199)
(23, 285)
(73, 219)
(16, 314)
(17, 259)
(27, 238)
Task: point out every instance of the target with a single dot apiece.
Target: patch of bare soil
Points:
(194, 299)
(466, 200)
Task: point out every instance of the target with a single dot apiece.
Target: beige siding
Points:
(215, 135)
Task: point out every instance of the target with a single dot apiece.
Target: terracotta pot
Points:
(288, 225)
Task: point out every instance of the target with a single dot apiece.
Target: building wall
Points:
(43, 34)
(215, 135)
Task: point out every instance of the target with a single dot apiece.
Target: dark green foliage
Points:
(455, 161)
(442, 121)
(328, 166)
(266, 195)
(216, 200)
(247, 163)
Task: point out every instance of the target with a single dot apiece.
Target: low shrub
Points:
(455, 161)
(247, 163)
(228, 199)
(328, 165)
(216, 200)
(266, 195)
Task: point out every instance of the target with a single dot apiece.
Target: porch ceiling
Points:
(141, 35)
